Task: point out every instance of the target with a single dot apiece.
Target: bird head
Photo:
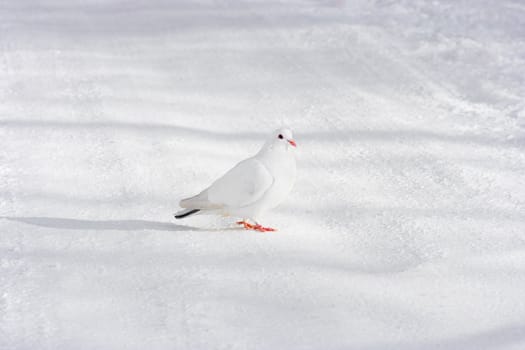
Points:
(283, 138)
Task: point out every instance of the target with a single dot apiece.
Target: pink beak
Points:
(292, 142)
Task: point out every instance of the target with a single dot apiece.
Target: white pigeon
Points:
(252, 186)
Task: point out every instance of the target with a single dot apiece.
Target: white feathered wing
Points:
(241, 186)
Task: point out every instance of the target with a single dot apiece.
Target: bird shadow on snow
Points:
(102, 225)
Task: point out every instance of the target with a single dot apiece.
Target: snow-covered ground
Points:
(406, 228)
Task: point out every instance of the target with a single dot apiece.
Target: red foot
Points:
(263, 229)
(257, 227)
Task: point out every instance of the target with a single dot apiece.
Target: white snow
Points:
(406, 227)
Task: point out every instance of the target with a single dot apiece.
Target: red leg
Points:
(247, 225)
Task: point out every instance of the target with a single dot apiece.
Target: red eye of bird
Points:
(280, 136)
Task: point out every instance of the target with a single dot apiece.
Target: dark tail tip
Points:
(186, 213)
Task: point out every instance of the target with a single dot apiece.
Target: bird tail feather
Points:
(199, 201)
(185, 212)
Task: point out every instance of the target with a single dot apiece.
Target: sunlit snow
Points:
(406, 226)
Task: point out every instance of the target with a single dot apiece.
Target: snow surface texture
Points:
(405, 230)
